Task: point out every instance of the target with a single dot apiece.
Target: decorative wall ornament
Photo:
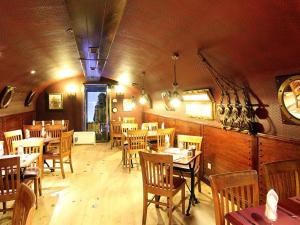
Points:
(29, 98)
(6, 96)
(233, 113)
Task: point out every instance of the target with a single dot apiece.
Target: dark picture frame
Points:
(55, 101)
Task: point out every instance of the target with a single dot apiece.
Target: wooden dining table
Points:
(186, 164)
(288, 213)
(25, 159)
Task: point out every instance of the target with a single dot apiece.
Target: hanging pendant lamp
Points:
(144, 98)
(176, 98)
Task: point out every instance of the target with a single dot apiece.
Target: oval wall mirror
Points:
(29, 98)
(289, 99)
(6, 96)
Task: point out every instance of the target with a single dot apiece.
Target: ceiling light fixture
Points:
(32, 72)
(176, 98)
(144, 98)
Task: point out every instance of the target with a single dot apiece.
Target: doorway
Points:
(96, 110)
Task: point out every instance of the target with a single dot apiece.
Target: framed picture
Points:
(55, 101)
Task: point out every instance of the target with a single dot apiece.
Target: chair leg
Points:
(170, 207)
(145, 207)
(35, 187)
(62, 168)
(129, 162)
(4, 207)
(40, 186)
(183, 199)
(71, 165)
(53, 165)
(112, 143)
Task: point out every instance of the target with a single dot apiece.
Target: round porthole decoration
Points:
(6, 96)
(114, 109)
(29, 98)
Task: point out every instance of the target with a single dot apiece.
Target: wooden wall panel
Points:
(226, 151)
(271, 149)
(183, 127)
(15, 122)
(233, 151)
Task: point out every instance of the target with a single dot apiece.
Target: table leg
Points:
(193, 198)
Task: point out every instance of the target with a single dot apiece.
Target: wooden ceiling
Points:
(95, 24)
(33, 37)
(239, 38)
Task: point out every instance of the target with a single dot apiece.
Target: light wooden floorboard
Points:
(101, 191)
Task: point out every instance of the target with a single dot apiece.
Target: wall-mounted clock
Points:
(114, 109)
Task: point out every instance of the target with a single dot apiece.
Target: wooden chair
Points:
(34, 173)
(34, 131)
(24, 206)
(158, 179)
(65, 126)
(63, 151)
(115, 133)
(161, 138)
(186, 141)
(283, 177)
(234, 191)
(128, 126)
(11, 136)
(10, 180)
(137, 141)
(128, 119)
(150, 126)
(54, 131)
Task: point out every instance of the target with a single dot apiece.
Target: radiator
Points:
(84, 138)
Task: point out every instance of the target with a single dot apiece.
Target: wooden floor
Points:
(101, 191)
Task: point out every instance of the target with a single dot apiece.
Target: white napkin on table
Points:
(271, 205)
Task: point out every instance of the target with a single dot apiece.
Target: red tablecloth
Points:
(288, 213)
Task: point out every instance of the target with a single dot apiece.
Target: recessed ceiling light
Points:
(32, 71)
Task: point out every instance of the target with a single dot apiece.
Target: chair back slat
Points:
(283, 177)
(161, 138)
(53, 131)
(10, 178)
(11, 136)
(188, 140)
(234, 191)
(34, 130)
(150, 126)
(30, 146)
(115, 127)
(128, 119)
(137, 140)
(157, 172)
(128, 126)
(66, 142)
(24, 206)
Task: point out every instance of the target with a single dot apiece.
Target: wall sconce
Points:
(199, 104)
(120, 90)
(71, 89)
